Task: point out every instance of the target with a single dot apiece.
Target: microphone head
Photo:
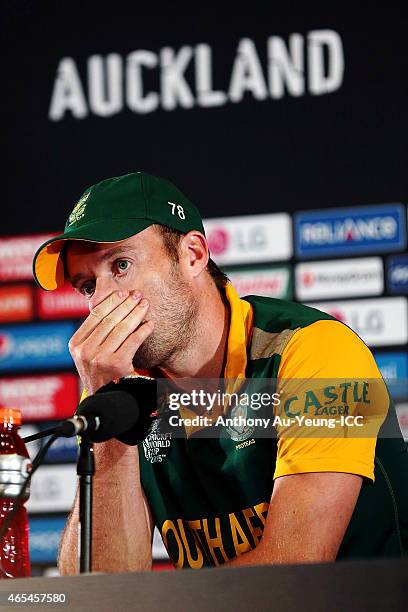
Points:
(117, 410)
(119, 414)
(144, 390)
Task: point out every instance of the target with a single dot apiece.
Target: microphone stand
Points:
(86, 463)
(85, 471)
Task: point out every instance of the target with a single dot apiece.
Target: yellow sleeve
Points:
(320, 362)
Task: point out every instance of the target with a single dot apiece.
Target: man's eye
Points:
(122, 265)
(87, 289)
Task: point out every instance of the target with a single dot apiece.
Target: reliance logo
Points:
(398, 274)
(350, 230)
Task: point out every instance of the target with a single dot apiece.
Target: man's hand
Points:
(104, 346)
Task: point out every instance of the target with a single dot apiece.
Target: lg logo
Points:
(243, 240)
(254, 239)
(371, 322)
(218, 240)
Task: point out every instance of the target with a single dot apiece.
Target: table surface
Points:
(346, 585)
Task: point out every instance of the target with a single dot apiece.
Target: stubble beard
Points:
(175, 317)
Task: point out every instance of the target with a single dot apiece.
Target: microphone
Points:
(110, 414)
(78, 425)
(144, 391)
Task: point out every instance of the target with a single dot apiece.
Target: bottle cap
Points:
(10, 415)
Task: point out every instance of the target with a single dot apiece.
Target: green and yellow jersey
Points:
(209, 496)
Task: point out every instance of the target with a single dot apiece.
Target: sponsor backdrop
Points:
(289, 134)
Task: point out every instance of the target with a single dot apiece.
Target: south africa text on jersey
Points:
(213, 540)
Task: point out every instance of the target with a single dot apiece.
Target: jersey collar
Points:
(239, 335)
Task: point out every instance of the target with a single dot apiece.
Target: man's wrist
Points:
(115, 454)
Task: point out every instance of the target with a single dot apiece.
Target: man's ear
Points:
(193, 253)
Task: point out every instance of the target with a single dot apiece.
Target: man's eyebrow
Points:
(74, 280)
(121, 250)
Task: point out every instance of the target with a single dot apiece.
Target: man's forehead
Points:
(83, 247)
(135, 242)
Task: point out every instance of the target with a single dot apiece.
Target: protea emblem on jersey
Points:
(239, 430)
(79, 209)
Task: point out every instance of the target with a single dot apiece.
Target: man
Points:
(136, 248)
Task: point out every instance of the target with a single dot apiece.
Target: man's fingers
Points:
(97, 315)
(109, 324)
(129, 347)
(124, 328)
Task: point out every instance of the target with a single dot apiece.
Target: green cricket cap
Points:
(114, 210)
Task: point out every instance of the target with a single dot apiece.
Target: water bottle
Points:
(14, 468)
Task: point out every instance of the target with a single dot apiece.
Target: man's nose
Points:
(104, 286)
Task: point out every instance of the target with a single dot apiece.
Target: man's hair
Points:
(171, 239)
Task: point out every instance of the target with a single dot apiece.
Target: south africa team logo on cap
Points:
(79, 209)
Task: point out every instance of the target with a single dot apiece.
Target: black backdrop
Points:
(343, 148)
